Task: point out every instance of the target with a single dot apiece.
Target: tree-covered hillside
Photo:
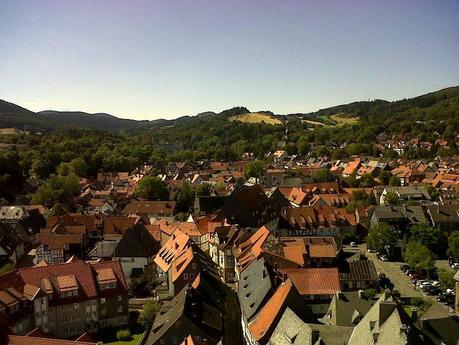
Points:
(213, 136)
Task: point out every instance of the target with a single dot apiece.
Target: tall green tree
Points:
(184, 197)
(426, 235)
(150, 309)
(418, 256)
(381, 237)
(392, 199)
(453, 245)
(255, 169)
(152, 188)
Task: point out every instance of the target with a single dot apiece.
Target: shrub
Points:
(369, 293)
(420, 303)
(123, 335)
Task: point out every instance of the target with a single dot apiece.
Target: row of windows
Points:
(64, 294)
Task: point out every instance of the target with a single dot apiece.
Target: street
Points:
(392, 271)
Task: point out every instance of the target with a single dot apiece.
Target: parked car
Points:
(383, 257)
(442, 297)
(425, 287)
(450, 292)
(455, 265)
(410, 271)
(420, 281)
(416, 275)
(432, 290)
(404, 268)
(425, 283)
(353, 244)
(371, 250)
(450, 301)
(435, 283)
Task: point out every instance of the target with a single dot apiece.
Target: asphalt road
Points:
(392, 271)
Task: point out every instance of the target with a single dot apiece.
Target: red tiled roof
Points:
(264, 320)
(249, 250)
(322, 251)
(351, 167)
(163, 208)
(314, 281)
(27, 340)
(171, 249)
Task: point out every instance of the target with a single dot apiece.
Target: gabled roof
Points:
(351, 167)
(171, 249)
(346, 309)
(255, 286)
(251, 248)
(359, 270)
(314, 281)
(137, 242)
(291, 330)
(188, 312)
(54, 279)
(150, 207)
(118, 225)
(264, 321)
(29, 340)
(385, 323)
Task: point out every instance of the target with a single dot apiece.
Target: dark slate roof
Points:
(358, 270)
(255, 287)
(444, 213)
(346, 309)
(137, 242)
(331, 335)
(413, 214)
(209, 204)
(291, 330)
(187, 313)
(410, 192)
(445, 330)
(103, 249)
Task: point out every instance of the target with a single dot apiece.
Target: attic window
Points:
(251, 305)
(247, 295)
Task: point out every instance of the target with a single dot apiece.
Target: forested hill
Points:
(14, 116)
(441, 106)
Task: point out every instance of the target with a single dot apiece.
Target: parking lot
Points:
(402, 282)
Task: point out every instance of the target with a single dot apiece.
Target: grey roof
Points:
(346, 309)
(137, 242)
(186, 314)
(410, 192)
(443, 330)
(359, 270)
(331, 335)
(444, 213)
(13, 212)
(412, 214)
(385, 323)
(291, 330)
(255, 287)
(103, 249)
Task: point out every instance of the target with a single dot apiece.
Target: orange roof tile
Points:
(67, 282)
(264, 320)
(295, 253)
(171, 249)
(314, 281)
(322, 251)
(106, 275)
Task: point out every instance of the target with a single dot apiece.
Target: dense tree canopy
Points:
(418, 256)
(152, 188)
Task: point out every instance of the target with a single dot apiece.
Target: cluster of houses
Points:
(261, 258)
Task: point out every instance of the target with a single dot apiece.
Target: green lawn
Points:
(108, 335)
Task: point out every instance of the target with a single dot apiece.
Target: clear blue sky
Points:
(151, 59)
